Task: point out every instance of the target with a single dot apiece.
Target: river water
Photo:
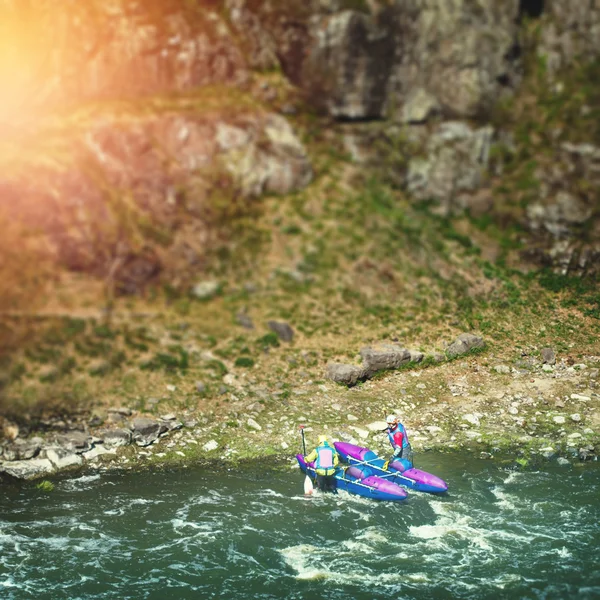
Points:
(498, 533)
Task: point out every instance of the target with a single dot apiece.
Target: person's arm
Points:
(312, 456)
(336, 459)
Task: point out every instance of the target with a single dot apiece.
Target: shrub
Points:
(244, 361)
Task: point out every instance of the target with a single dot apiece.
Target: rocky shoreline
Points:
(540, 408)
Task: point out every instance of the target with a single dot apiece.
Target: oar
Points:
(389, 474)
(308, 485)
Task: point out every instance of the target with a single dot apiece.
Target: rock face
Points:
(119, 49)
(386, 60)
(454, 167)
(349, 62)
(570, 30)
(162, 163)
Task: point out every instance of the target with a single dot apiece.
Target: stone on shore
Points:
(283, 330)
(27, 469)
(464, 343)
(62, 459)
(345, 374)
(115, 437)
(387, 356)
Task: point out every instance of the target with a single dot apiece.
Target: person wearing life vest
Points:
(326, 460)
(398, 438)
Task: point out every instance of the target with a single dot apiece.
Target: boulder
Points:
(115, 437)
(387, 356)
(62, 459)
(464, 343)
(94, 453)
(345, 374)
(283, 330)
(146, 431)
(27, 469)
(74, 441)
(548, 356)
(452, 167)
(22, 449)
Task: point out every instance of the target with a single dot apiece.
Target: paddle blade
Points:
(308, 486)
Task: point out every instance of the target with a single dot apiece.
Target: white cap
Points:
(391, 419)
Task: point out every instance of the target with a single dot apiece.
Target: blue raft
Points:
(399, 471)
(361, 481)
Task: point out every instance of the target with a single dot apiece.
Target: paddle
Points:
(308, 485)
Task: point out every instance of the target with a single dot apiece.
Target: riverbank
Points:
(477, 403)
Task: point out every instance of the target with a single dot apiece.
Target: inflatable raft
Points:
(398, 471)
(360, 480)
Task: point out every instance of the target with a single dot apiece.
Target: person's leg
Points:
(321, 483)
(333, 484)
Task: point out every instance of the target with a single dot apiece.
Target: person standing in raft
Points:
(326, 460)
(398, 438)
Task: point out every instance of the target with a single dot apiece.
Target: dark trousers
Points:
(327, 483)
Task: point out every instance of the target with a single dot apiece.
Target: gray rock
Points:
(420, 105)
(453, 166)
(282, 329)
(464, 343)
(200, 387)
(121, 410)
(386, 356)
(22, 449)
(171, 425)
(244, 320)
(348, 64)
(416, 356)
(62, 459)
(345, 374)
(146, 431)
(548, 356)
(115, 437)
(74, 441)
(27, 469)
(204, 290)
(94, 453)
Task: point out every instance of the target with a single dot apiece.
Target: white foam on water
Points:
(505, 500)
(357, 547)
(200, 528)
(80, 483)
(562, 552)
(515, 477)
(373, 536)
(340, 566)
(144, 501)
(118, 512)
(271, 493)
(451, 524)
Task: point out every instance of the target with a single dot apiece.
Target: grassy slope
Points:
(348, 262)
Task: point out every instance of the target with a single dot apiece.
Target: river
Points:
(189, 533)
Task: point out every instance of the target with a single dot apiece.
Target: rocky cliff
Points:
(491, 105)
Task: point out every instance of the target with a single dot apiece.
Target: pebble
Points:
(209, 446)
